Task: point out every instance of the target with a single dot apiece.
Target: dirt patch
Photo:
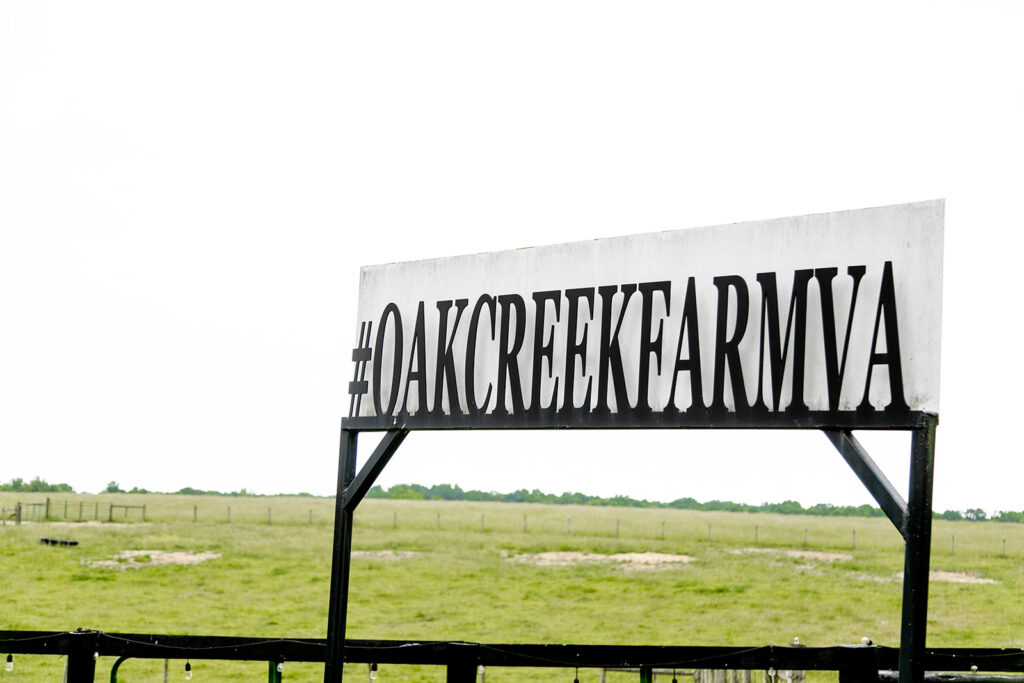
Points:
(625, 561)
(134, 559)
(954, 577)
(383, 554)
(864, 576)
(810, 555)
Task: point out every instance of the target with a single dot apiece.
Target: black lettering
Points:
(891, 357)
(576, 349)
(417, 354)
(508, 361)
(778, 349)
(648, 346)
(688, 328)
(727, 350)
(390, 311)
(445, 371)
(542, 350)
(474, 323)
(610, 358)
(835, 367)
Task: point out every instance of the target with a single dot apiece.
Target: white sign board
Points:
(822, 320)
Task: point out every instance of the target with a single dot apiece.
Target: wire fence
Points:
(838, 534)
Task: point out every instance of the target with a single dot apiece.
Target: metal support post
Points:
(918, 549)
(273, 675)
(341, 560)
(81, 662)
(351, 489)
(461, 673)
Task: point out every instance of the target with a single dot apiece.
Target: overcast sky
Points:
(188, 189)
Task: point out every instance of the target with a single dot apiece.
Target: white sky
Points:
(187, 191)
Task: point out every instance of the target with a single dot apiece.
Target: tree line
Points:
(788, 507)
(38, 485)
(454, 492)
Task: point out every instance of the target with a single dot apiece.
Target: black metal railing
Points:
(855, 663)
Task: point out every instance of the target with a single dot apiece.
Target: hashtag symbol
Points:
(361, 357)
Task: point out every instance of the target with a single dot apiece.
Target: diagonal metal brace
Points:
(355, 491)
(873, 478)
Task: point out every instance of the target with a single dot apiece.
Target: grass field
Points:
(462, 571)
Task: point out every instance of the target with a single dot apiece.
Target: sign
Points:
(821, 320)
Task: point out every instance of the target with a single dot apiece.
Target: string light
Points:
(9, 666)
(280, 667)
(188, 671)
(373, 671)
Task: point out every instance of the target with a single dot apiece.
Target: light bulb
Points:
(188, 671)
(9, 666)
(280, 667)
(373, 672)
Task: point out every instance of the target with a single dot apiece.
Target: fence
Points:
(788, 531)
(855, 663)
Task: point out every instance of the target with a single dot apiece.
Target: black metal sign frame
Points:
(912, 517)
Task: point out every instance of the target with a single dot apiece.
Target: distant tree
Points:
(407, 492)
(446, 492)
(1008, 516)
(975, 515)
(113, 487)
(37, 485)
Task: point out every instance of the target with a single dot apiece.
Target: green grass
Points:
(272, 579)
